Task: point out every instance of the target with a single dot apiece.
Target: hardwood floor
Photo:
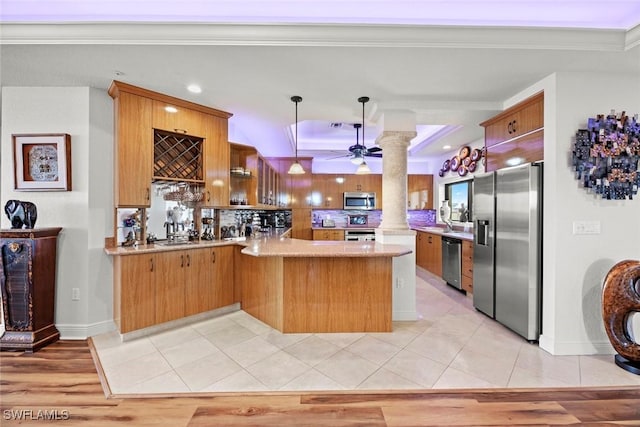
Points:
(61, 381)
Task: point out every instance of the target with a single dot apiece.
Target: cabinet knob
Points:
(213, 257)
(511, 127)
(150, 264)
(188, 260)
(181, 260)
(148, 193)
(208, 196)
(180, 131)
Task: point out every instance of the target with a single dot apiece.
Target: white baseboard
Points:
(575, 348)
(82, 332)
(404, 316)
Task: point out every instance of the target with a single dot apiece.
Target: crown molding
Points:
(632, 38)
(328, 35)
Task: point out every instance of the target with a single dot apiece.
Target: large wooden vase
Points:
(620, 299)
(28, 283)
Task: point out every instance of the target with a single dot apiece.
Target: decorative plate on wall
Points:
(455, 163)
(464, 152)
(606, 155)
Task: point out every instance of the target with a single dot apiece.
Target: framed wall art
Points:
(42, 162)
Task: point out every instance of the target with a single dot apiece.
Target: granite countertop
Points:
(456, 234)
(286, 247)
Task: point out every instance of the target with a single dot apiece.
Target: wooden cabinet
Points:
(328, 234)
(28, 286)
(327, 191)
(467, 266)
(222, 280)
(429, 252)
(139, 115)
(158, 287)
(133, 152)
(216, 162)
(517, 132)
(301, 224)
(134, 302)
(182, 120)
(172, 269)
(420, 191)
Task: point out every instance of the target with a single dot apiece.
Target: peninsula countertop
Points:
(291, 248)
(456, 234)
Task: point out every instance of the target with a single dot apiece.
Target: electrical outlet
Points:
(586, 227)
(399, 283)
(75, 294)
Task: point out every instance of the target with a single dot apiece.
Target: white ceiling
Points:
(451, 63)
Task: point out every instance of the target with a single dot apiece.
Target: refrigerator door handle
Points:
(482, 236)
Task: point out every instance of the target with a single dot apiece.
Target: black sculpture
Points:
(21, 214)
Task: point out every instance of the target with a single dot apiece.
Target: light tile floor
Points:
(450, 346)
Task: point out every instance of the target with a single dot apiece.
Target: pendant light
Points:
(363, 168)
(296, 168)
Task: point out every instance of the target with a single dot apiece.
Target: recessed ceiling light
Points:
(194, 88)
(170, 109)
(446, 147)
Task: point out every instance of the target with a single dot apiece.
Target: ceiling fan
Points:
(358, 152)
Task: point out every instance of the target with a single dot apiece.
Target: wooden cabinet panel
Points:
(420, 191)
(184, 120)
(429, 252)
(222, 278)
(517, 132)
(328, 234)
(133, 149)
(467, 266)
(216, 162)
(135, 291)
(301, 224)
(170, 283)
(198, 292)
(518, 120)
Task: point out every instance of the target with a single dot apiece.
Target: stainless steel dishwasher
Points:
(451, 261)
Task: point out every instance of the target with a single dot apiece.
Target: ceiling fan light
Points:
(296, 169)
(357, 159)
(363, 169)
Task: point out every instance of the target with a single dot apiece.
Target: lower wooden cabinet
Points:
(328, 234)
(158, 287)
(467, 266)
(429, 252)
(134, 292)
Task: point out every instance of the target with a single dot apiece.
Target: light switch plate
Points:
(586, 227)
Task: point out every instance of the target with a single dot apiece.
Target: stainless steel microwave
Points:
(359, 200)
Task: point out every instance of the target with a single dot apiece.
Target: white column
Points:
(394, 228)
(394, 145)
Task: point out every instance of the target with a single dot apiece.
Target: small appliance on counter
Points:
(357, 220)
(328, 223)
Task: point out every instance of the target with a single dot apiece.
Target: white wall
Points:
(574, 266)
(86, 212)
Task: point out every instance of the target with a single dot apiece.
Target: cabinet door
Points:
(223, 279)
(216, 162)
(198, 287)
(137, 302)
(170, 283)
(184, 120)
(301, 224)
(420, 191)
(434, 254)
(133, 150)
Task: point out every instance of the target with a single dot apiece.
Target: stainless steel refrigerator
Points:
(507, 257)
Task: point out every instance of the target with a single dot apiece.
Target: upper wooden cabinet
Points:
(216, 162)
(420, 191)
(133, 149)
(179, 120)
(139, 115)
(516, 134)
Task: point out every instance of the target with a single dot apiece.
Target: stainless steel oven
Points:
(359, 200)
(360, 234)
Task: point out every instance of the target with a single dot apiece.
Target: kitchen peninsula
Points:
(290, 284)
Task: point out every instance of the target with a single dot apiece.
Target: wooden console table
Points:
(28, 284)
